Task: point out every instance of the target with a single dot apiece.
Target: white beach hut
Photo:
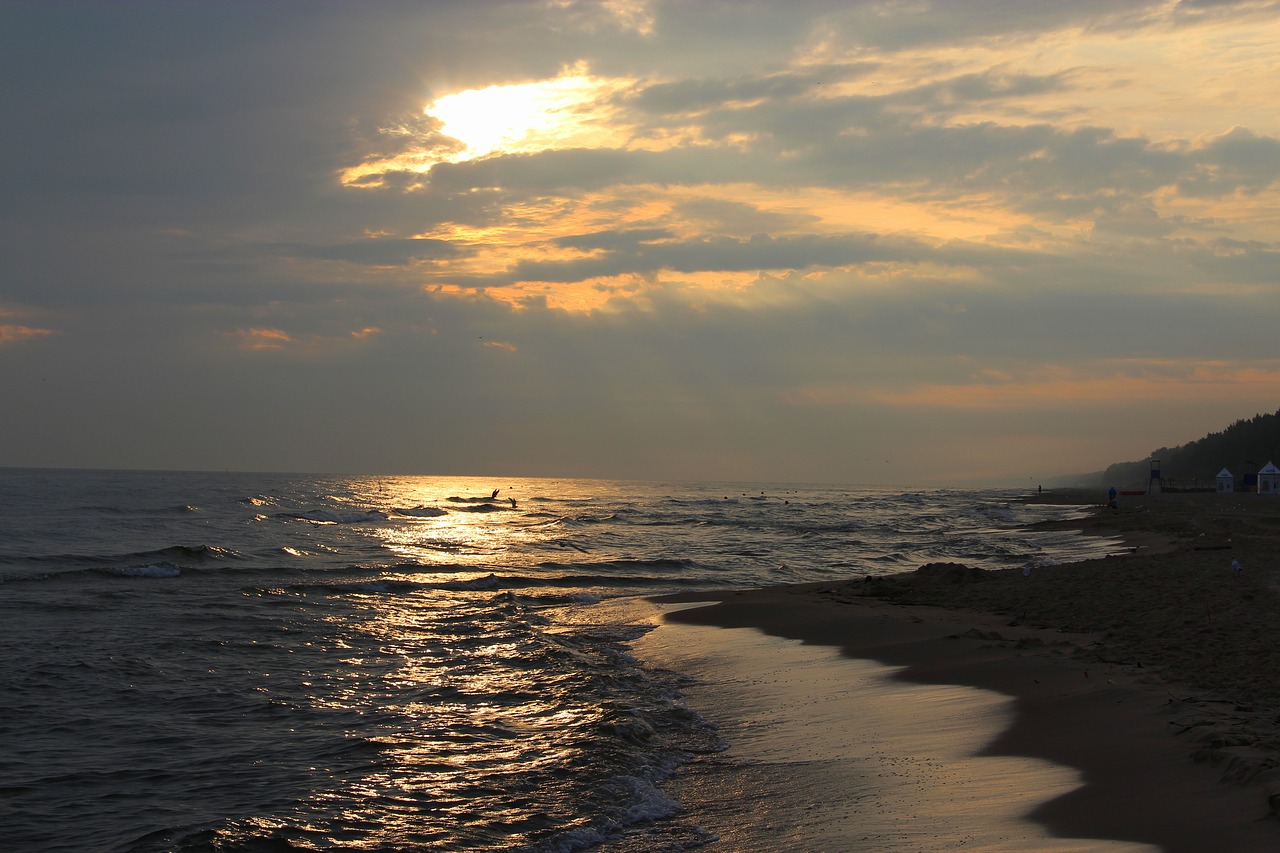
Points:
(1269, 479)
(1226, 481)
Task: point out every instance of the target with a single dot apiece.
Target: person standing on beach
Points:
(1111, 499)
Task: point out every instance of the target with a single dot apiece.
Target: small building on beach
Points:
(1226, 481)
(1269, 479)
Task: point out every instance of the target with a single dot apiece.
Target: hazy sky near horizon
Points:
(890, 242)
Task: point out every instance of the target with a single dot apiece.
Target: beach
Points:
(1136, 696)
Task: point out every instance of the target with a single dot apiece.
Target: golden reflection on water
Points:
(459, 537)
(479, 522)
(469, 713)
(449, 689)
(432, 700)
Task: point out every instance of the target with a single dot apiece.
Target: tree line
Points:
(1242, 448)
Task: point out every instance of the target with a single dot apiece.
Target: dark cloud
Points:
(913, 25)
(1196, 9)
(723, 216)
(726, 254)
(613, 240)
(695, 95)
(375, 252)
(969, 89)
(1238, 161)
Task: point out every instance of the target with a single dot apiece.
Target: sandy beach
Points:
(1130, 703)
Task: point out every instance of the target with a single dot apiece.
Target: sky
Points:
(900, 242)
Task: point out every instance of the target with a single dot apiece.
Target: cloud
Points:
(260, 339)
(1038, 167)
(374, 251)
(12, 333)
(750, 236)
(613, 241)
(1112, 384)
(1238, 161)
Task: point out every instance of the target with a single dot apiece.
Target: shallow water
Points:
(827, 752)
(200, 661)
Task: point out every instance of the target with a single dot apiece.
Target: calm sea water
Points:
(243, 662)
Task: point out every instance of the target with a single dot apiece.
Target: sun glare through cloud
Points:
(566, 112)
(572, 110)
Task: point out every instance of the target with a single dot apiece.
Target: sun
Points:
(569, 111)
(575, 109)
(506, 117)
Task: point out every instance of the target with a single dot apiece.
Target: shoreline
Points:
(1150, 673)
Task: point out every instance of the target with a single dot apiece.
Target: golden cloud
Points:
(1051, 387)
(12, 333)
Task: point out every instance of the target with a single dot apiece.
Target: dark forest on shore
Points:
(1242, 448)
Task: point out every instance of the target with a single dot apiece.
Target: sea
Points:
(195, 661)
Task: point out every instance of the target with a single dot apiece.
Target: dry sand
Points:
(1135, 698)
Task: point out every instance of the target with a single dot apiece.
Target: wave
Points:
(551, 600)
(195, 554)
(669, 564)
(594, 581)
(334, 516)
(147, 570)
(161, 570)
(702, 501)
(550, 516)
(486, 507)
(191, 555)
(379, 586)
(571, 545)
(421, 511)
(178, 509)
(568, 521)
(162, 562)
(508, 585)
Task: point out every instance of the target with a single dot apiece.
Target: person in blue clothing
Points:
(1111, 499)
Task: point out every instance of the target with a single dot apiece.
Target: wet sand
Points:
(1134, 699)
